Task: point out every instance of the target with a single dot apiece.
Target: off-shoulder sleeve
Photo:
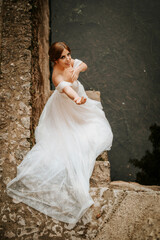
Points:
(77, 62)
(61, 85)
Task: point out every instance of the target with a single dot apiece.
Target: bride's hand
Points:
(75, 75)
(80, 100)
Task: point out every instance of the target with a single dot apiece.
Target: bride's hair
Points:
(56, 50)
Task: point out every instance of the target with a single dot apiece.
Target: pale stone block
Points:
(94, 95)
(26, 122)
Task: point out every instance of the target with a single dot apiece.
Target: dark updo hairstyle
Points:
(56, 50)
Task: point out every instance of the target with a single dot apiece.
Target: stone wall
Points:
(25, 72)
(40, 87)
(24, 43)
(15, 84)
(0, 29)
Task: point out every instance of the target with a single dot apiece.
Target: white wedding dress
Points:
(54, 176)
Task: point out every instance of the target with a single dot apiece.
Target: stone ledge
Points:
(101, 174)
(133, 186)
(94, 95)
(134, 213)
(115, 215)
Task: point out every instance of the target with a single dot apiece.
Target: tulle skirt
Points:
(54, 176)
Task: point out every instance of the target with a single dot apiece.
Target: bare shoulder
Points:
(56, 78)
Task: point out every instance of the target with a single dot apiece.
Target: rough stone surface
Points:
(40, 88)
(24, 71)
(117, 214)
(137, 217)
(16, 35)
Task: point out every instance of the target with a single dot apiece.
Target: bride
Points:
(53, 177)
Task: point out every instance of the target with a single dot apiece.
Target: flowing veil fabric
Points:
(54, 176)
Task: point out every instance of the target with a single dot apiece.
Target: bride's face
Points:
(65, 59)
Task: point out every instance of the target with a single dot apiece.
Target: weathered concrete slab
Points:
(133, 186)
(116, 214)
(137, 217)
(28, 223)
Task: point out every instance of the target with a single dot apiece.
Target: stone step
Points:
(42, 226)
(101, 174)
(94, 95)
(103, 156)
(106, 202)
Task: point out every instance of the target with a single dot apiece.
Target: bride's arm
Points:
(68, 90)
(81, 68)
(73, 95)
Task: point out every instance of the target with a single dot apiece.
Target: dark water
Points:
(120, 42)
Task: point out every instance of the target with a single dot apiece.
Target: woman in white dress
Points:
(72, 132)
